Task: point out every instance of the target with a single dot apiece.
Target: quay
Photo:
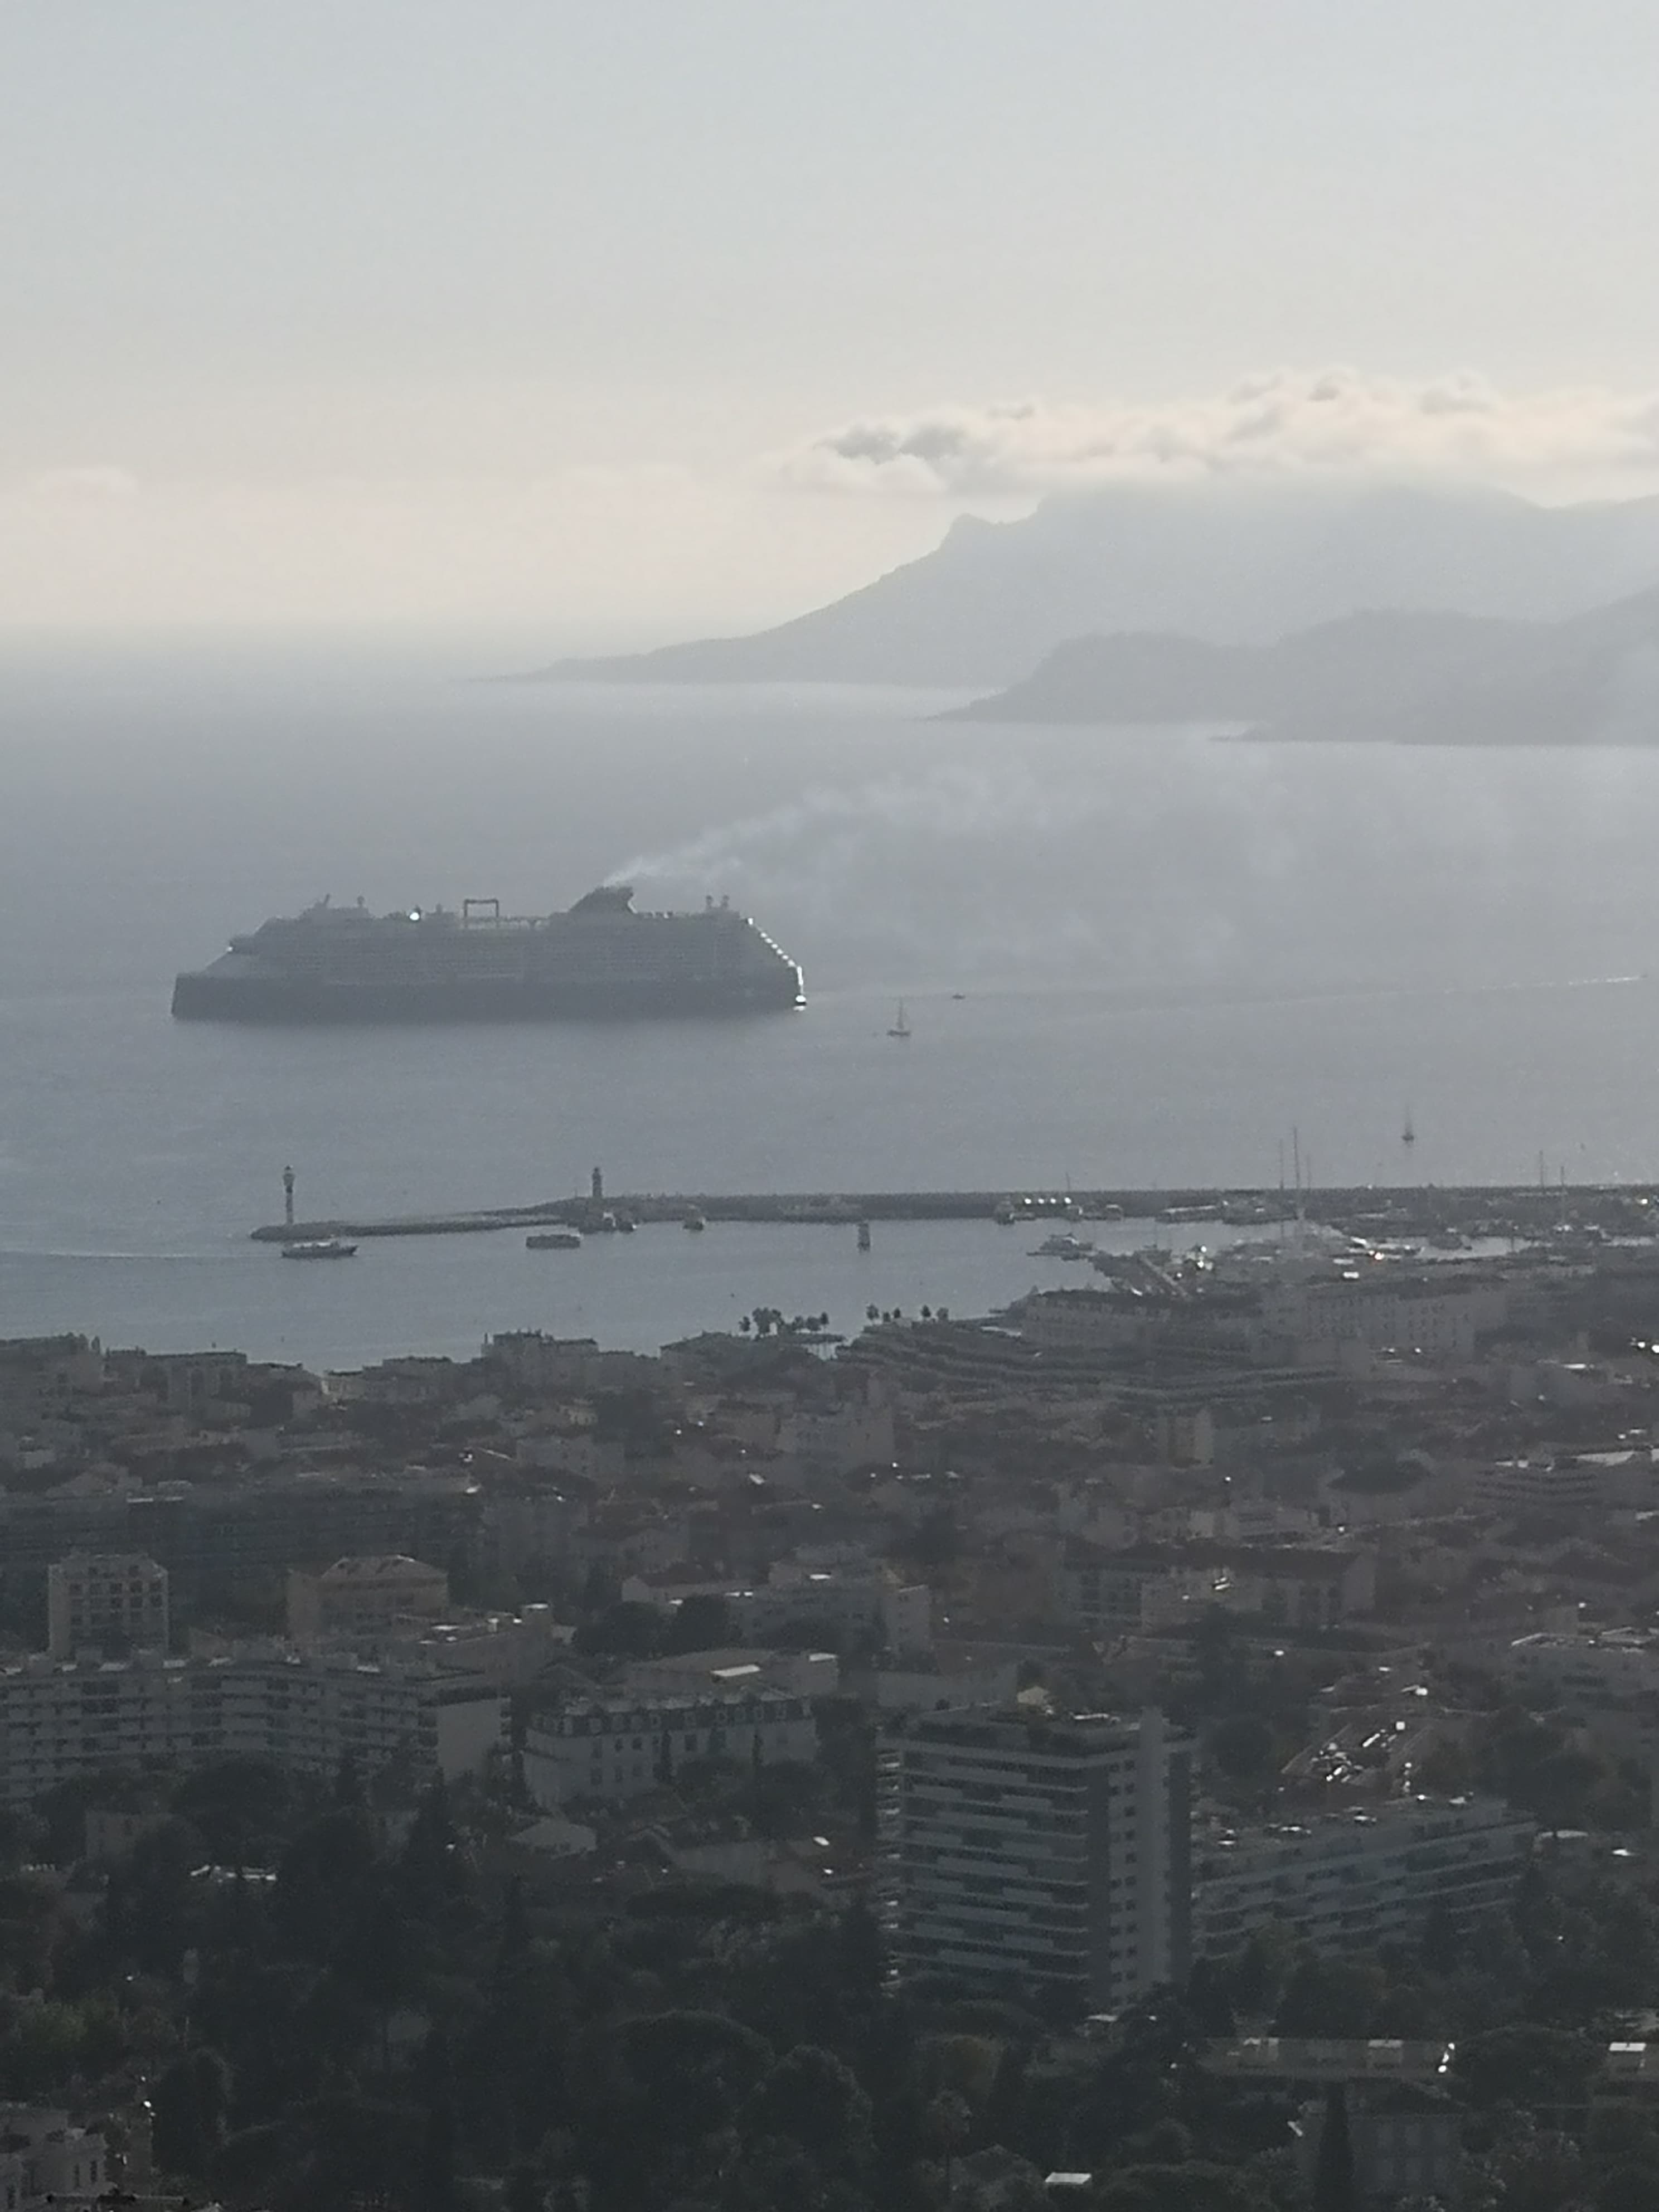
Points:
(1493, 1210)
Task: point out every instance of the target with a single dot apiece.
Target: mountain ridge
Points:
(1232, 564)
(1397, 676)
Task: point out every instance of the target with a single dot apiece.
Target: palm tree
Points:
(948, 2122)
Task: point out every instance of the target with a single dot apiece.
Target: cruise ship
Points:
(600, 959)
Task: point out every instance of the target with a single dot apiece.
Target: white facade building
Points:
(1439, 1314)
(61, 1721)
(1558, 1486)
(1608, 1682)
(607, 1747)
(1152, 1585)
(1019, 1849)
(1347, 1880)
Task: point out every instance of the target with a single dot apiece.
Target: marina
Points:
(1429, 1214)
(441, 1295)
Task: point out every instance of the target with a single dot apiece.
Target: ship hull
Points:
(202, 996)
(599, 961)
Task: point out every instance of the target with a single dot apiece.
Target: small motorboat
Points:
(553, 1240)
(318, 1248)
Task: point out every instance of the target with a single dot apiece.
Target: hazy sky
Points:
(628, 320)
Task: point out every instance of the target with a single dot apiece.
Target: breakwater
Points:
(1488, 1209)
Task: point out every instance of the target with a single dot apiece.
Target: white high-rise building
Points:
(1020, 1849)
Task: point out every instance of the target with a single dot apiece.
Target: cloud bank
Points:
(1287, 423)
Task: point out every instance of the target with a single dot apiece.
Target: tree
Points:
(189, 2103)
(1333, 2182)
(31, 1925)
(810, 2097)
(1209, 1999)
(435, 2179)
(693, 2070)
(322, 1880)
(154, 1906)
(431, 1868)
(699, 1623)
(1242, 1747)
(1330, 1996)
(1197, 2186)
(513, 1935)
(624, 1631)
(375, 1958)
(1539, 2069)
(242, 1808)
(1627, 2188)
(524, 2190)
(1261, 1968)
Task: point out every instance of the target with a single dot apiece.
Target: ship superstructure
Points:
(600, 959)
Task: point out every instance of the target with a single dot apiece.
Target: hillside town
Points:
(1248, 1656)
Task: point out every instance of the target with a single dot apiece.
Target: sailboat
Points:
(1409, 1134)
(901, 1023)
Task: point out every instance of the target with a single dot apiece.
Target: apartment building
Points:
(46, 2160)
(616, 1748)
(1607, 1682)
(736, 1667)
(1016, 1848)
(1551, 1485)
(1345, 1880)
(1154, 1585)
(1440, 1314)
(106, 1602)
(852, 1600)
(364, 1598)
(307, 1711)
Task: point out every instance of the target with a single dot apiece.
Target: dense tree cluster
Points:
(331, 2004)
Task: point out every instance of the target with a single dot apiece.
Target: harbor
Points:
(1474, 1210)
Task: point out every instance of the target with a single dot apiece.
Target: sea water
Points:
(1131, 958)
